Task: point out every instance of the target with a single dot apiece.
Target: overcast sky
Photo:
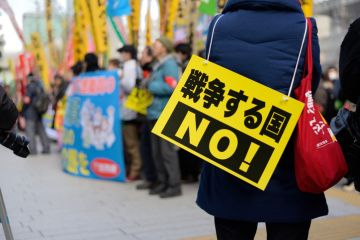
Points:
(19, 7)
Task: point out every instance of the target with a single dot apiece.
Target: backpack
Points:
(41, 101)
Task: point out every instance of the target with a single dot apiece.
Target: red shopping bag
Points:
(319, 160)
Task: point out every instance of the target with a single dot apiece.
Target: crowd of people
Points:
(161, 166)
(236, 206)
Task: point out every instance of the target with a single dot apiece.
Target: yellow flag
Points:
(53, 53)
(169, 30)
(82, 20)
(148, 26)
(181, 13)
(134, 21)
(164, 7)
(307, 6)
(98, 21)
(40, 58)
(12, 69)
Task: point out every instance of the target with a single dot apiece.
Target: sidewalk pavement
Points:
(45, 203)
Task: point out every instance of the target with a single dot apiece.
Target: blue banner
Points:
(118, 8)
(92, 139)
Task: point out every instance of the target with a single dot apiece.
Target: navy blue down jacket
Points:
(261, 39)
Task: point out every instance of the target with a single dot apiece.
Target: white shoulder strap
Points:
(212, 37)
(298, 59)
(297, 62)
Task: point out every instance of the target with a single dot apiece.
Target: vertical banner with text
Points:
(40, 58)
(98, 20)
(82, 20)
(230, 121)
(92, 142)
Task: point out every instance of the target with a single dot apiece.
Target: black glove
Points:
(19, 144)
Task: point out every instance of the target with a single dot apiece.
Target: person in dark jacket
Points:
(34, 124)
(8, 109)
(261, 40)
(346, 125)
(349, 63)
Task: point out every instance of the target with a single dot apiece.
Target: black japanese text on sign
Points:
(229, 121)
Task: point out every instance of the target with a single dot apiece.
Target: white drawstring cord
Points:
(211, 39)
(298, 60)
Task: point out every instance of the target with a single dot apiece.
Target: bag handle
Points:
(298, 58)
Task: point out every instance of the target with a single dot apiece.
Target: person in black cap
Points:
(128, 76)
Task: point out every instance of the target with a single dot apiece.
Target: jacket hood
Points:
(288, 5)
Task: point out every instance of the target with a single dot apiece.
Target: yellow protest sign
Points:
(229, 121)
(307, 6)
(139, 100)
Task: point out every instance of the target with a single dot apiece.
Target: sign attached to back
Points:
(229, 121)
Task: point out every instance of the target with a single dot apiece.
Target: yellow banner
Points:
(134, 21)
(182, 13)
(307, 6)
(148, 26)
(169, 29)
(99, 29)
(139, 100)
(53, 54)
(229, 121)
(40, 58)
(164, 11)
(82, 20)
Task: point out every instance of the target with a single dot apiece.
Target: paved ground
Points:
(45, 203)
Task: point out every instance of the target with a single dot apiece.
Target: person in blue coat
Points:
(261, 39)
(162, 83)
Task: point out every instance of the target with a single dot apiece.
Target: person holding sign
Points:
(261, 40)
(162, 82)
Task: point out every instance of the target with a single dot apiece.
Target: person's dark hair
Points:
(149, 51)
(31, 77)
(77, 68)
(184, 48)
(202, 53)
(129, 49)
(91, 61)
(115, 62)
(58, 76)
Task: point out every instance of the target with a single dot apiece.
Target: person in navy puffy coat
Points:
(261, 40)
